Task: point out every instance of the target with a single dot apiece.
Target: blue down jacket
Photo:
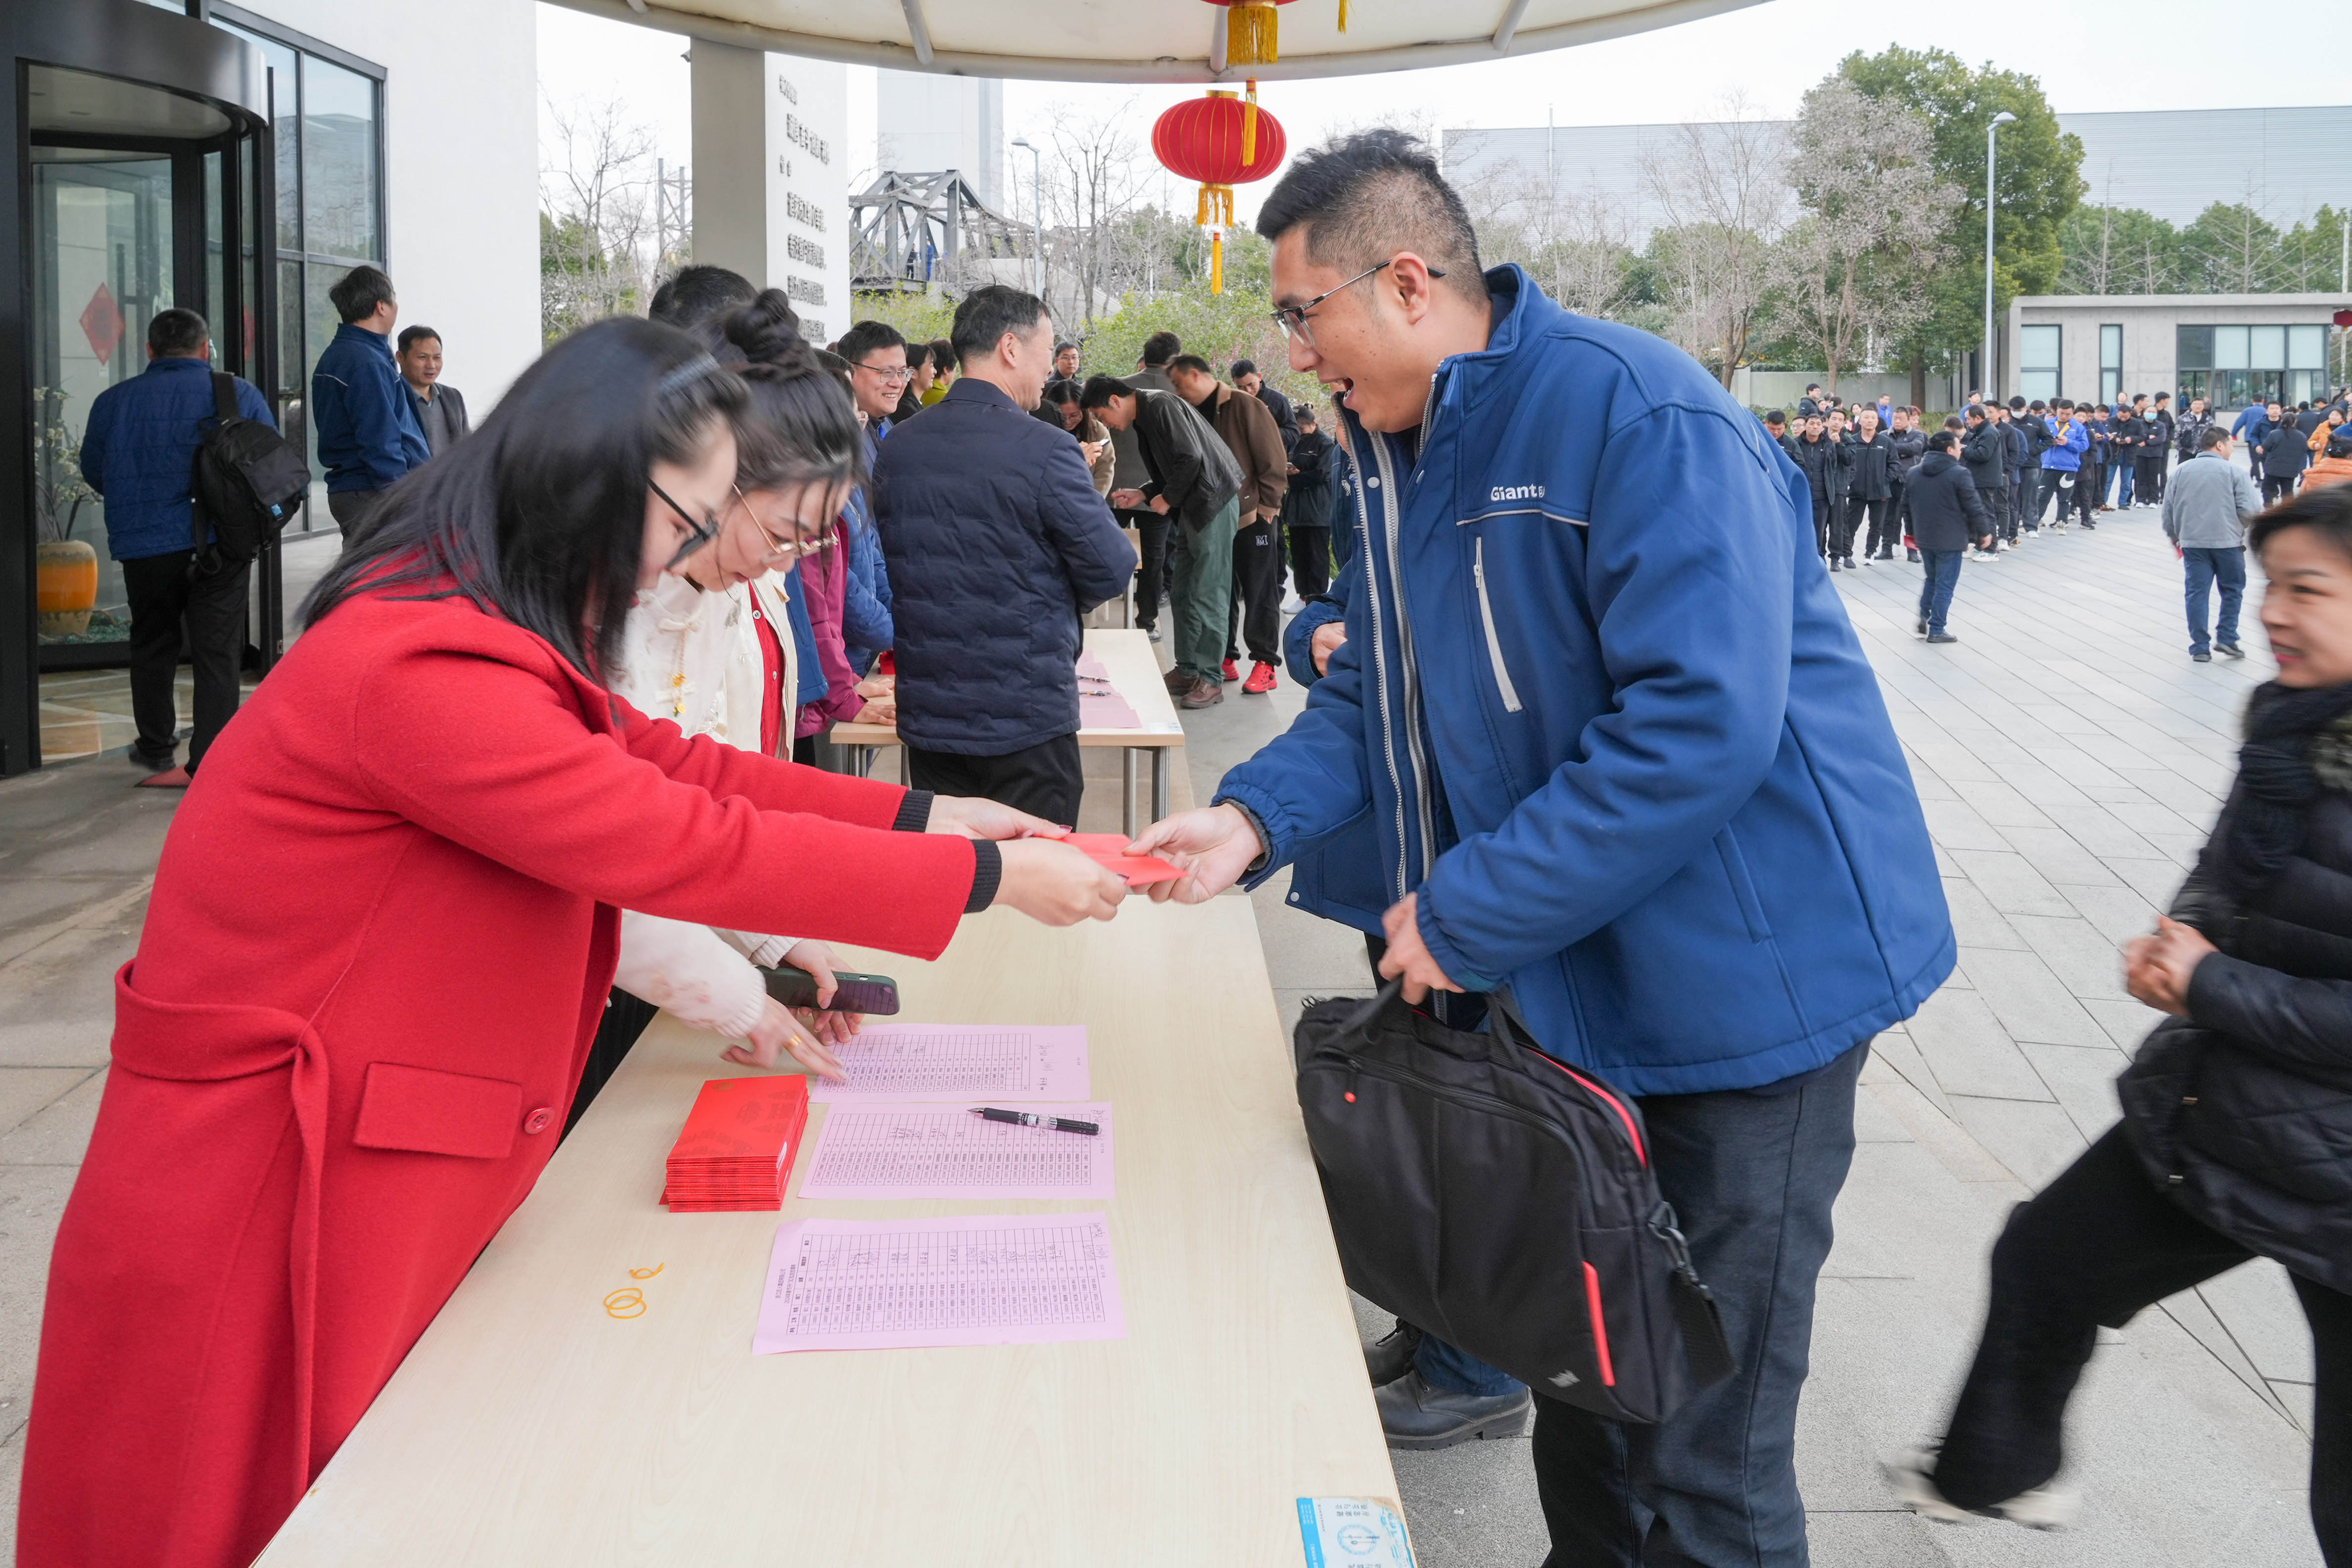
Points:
(1673, 814)
(139, 451)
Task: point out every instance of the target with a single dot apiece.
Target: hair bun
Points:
(767, 332)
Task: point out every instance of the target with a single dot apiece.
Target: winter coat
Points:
(361, 414)
(1286, 417)
(1309, 505)
(1824, 464)
(1189, 464)
(1946, 513)
(1662, 754)
(2243, 1111)
(2065, 453)
(2137, 439)
(380, 938)
(2208, 503)
(139, 451)
(2285, 452)
(1870, 467)
(1985, 450)
(2187, 432)
(996, 545)
(2036, 433)
(1256, 441)
(1910, 449)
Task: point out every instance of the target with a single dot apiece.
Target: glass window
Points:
(2306, 348)
(2037, 367)
(339, 172)
(285, 125)
(2193, 348)
(2266, 348)
(2230, 349)
(2111, 364)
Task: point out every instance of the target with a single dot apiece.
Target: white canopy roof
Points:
(1149, 40)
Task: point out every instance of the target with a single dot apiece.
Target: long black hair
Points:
(540, 516)
(798, 425)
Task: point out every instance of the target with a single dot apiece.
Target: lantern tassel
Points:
(1217, 262)
(1249, 125)
(1343, 15)
(1252, 34)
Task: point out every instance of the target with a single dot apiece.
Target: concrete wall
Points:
(771, 176)
(461, 169)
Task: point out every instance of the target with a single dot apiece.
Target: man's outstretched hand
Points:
(1212, 846)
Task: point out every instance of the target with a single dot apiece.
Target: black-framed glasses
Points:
(697, 533)
(1291, 318)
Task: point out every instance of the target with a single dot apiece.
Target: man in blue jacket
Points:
(360, 408)
(1600, 730)
(996, 542)
(139, 451)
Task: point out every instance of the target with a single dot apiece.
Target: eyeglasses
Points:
(1291, 318)
(697, 533)
(799, 545)
(888, 372)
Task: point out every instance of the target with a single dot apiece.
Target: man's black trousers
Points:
(2098, 1245)
(1880, 514)
(1823, 520)
(1256, 610)
(2276, 488)
(1152, 577)
(1310, 561)
(2147, 484)
(1043, 780)
(210, 606)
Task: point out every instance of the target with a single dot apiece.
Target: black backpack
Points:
(250, 480)
(1503, 1202)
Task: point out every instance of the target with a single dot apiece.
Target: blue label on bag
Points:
(1353, 1532)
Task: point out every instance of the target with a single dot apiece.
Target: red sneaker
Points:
(1261, 680)
(1232, 671)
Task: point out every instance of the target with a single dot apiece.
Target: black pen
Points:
(1030, 1118)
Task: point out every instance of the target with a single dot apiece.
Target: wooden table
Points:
(530, 1427)
(1135, 672)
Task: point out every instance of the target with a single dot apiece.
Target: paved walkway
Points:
(2070, 757)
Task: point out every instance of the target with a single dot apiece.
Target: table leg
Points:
(1159, 782)
(861, 760)
(1127, 789)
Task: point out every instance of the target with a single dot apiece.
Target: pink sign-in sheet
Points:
(976, 1064)
(945, 1151)
(976, 1280)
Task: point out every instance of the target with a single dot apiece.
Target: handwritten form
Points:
(975, 1279)
(944, 1151)
(974, 1064)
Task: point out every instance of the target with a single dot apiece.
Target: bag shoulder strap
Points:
(225, 396)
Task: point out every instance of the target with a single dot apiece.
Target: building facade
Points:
(2231, 349)
(927, 124)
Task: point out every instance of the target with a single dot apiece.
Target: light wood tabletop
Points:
(1134, 673)
(528, 1427)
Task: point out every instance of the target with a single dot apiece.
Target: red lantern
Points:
(1221, 143)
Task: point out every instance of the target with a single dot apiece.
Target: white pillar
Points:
(771, 176)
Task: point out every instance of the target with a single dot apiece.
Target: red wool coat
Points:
(381, 937)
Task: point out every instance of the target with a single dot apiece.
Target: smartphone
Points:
(796, 987)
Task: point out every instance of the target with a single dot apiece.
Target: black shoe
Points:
(1390, 1357)
(151, 762)
(2203, 657)
(1920, 629)
(1941, 637)
(1911, 555)
(1415, 1416)
(1833, 564)
(2229, 650)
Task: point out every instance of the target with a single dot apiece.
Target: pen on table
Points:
(1029, 1119)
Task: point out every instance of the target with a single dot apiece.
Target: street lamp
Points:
(1986, 379)
(1037, 199)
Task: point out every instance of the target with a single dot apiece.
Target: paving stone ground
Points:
(2069, 758)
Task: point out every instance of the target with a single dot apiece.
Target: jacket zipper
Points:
(1494, 643)
(1358, 1067)
(1380, 652)
(1408, 664)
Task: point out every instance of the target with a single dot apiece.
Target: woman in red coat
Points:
(382, 933)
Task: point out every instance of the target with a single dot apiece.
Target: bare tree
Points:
(1852, 269)
(1576, 247)
(1723, 190)
(1096, 179)
(596, 217)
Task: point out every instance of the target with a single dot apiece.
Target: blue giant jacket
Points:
(139, 451)
(2065, 454)
(367, 429)
(1681, 827)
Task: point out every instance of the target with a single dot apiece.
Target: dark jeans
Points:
(1254, 611)
(1879, 514)
(626, 1017)
(1310, 561)
(1936, 592)
(1753, 1175)
(2276, 488)
(1151, 573)
(2206, 567)
(1043, 780)
(351, 508)
(210, 606)
(2122, 469)
(2096, 1246)
(1823, 520)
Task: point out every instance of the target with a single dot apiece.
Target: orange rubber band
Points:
(644, 1273)
(620, 1302)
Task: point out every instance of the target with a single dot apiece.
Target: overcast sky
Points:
(2159, 54)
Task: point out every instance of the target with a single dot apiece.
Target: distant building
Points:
(931, 124)
(2233, 349)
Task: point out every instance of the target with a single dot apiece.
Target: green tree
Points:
(2118, 250)
(2311, 254)
(2040, 182)
(919, 318)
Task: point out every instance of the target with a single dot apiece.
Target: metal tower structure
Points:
(913, 231)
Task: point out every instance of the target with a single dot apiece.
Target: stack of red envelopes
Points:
(737, 1150)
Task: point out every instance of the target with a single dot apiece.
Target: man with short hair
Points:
(360, 413)
(1129, 472)
(1192, 485)
(997, 546)
(2062, 464)
(2188, 438)
(1812, 402)
(1599, 732)
(1776, 421)
(438, 408)
(879, 372)
(2167, 433)
(2034, 439)
(1947, 517)
(1066, 361)
(1910, 443)
(1307, 508)
(139, 452)
(1246, 379)
(1256, 442)
(1984, 448)
(2205, 517)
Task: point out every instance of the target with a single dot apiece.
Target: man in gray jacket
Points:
(2205, 512)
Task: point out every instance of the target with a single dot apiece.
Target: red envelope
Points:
(1109, 850)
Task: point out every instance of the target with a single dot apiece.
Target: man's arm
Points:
(1270, 468)
(1972, 507)
(1182, 464)
(378, 409)
(1096, 559)
(1691, 574)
